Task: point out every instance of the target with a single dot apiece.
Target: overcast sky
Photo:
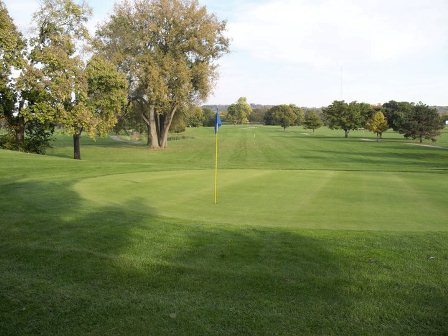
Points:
(311, 52)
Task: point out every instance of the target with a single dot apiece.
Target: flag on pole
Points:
(218, 124)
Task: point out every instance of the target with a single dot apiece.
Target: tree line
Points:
(416, 121)
(148, 63)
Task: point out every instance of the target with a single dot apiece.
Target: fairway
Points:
(313, 234)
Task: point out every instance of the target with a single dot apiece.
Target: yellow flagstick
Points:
(216, 168)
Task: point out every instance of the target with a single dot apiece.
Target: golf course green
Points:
(313, 234)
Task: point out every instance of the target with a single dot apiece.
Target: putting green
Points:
(288, 198)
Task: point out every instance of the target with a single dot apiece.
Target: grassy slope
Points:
(97, 247)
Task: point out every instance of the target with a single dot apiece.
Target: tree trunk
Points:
(152, 128)
(377, 137)
(152, 140)
(421, 139)
(148, 141)
(346, 133)
(163, 142)
(20, 133)
(77, 146)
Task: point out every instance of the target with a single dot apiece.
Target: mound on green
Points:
(314, 234)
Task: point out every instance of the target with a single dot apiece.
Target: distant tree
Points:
(377, 124)
(209, 117)
(257, 115)
(395, 113)
(299, 113)
(421, 122)
(282, 115)
(194, 116)
(312, 120)
(340, 115)
(239, 112)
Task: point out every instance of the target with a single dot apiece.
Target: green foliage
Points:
(421, 122)
(283, 115)
(209, 117)
(377, 124)
(176, 68)
(238, 113)
(194, 116)
(82, 97)
(312, 120)
(340, 115)
(257, 115)
(395, 113)
(299, 113)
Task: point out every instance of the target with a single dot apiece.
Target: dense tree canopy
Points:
(85, 97)
(395, 113)
(168, 49)
(283, 115)
(421, 122)
(340, 115)
(238, 113)
(312, 120)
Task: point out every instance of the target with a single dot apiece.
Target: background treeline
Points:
(416, 121)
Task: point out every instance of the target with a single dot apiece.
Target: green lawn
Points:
(314, 234)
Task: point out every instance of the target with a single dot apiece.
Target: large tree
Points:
(340, 115)
(239, 112)
(168, 49)
(421, 122)
(85, 96)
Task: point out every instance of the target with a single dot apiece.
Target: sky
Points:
(311, 52)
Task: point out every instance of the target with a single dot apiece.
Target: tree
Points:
(395, 113)
(12, 46)
(421, 122)
(168, 49)
(239, 112)
(84, 97)
(21, 93)
(194, 116)
(340, 115)
(299, 113)
(312, 120)
(377, 124)
(209, 117)
(283, 115)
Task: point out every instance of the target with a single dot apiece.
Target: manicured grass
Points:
(314, 234)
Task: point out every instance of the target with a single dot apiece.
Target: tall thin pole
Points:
(216, 167)
(342, 83)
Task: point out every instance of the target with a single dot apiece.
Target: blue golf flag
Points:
(218, 122)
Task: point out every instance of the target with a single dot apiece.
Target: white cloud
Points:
(322, 33)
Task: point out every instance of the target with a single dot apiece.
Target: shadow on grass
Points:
(73, 268)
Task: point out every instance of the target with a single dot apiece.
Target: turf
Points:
(314, 234)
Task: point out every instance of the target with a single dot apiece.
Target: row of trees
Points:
(417, 121)
(147, 64)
